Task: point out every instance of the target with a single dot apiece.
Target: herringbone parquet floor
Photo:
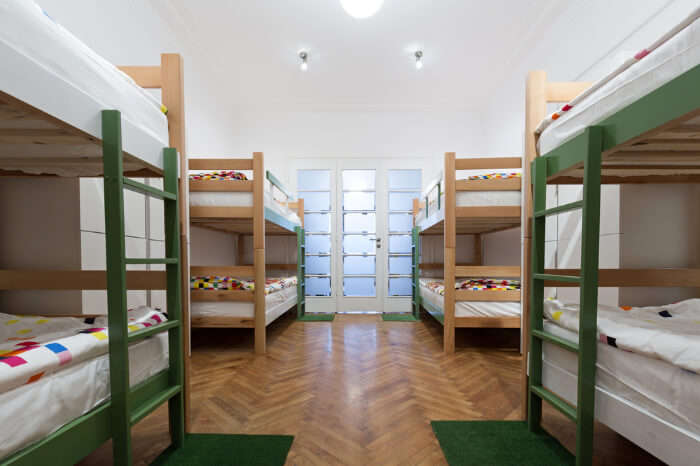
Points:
(357, 391)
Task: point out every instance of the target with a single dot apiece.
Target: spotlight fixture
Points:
(419, 59)
(304, 56)
(361, 8)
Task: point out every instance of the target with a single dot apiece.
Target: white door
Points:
(358, 232)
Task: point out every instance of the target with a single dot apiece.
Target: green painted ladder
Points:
(122, 398)
(586, 148)
(415, 271)
(301, 272)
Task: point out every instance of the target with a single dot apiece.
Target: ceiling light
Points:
(419, 59)
(304, 56)
(361, 8)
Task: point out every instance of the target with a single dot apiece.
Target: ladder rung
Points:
(141, 188)
(566, 344)
(559, 209)
(151, 404)
(554, 400)
(151, 260)
(148, 331)
(557, 278)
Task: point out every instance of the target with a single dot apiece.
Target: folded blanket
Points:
(670, 333)
(220, 175)
(495, 176)
(34, 346)
(231, 283)
(474, 284)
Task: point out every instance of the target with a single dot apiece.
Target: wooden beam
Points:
(77, 280)
(221, 164)
(260, 316)
(488, 271)
(487, 296)
(221, 186)
(689, 278)
(448, 306)
(487, 322)
(507, 213)
(217, 212)
(222, 322)
(496, 184)
(488, 163)
(565, 91)
(213, 296)
(280, 266)
(237, 271)
(148, 77)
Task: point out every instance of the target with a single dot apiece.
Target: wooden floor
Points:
(356, 391)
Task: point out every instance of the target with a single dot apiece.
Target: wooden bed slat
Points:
(503, 184)
(635, 277)
(77, 280)
(211, 296)
(487, 322)
(222, 322)
(221, 186)
(488, 163)
(220, 164)
(508, 213)
(487, 296)
(238, 271)
(210, 212)
(488, 271)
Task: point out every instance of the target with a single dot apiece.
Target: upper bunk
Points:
(53, 89)
(484, 198)
(224, 198)
(648, 109)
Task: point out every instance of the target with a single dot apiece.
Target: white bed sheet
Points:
(240, 199)
(38, 409)
(276, 304)
(47, 67)
(473, 199)
(667, 391)
(680, 54)
(470, 308)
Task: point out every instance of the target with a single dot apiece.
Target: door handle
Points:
(379, 242)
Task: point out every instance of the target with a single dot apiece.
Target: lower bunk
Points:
(53, 370)
(229, 302)
(647, 373)
(488, 307)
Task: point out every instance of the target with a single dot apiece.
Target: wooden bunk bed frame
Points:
(244, 221)
(51, 141)
(475, 221)
(656, 139)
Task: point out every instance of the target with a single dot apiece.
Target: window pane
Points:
(359, 286)
(317, 223)
(316, 201)
(404, 179)
(318, 286)
(400, 244)
(318, 244)
(402, 201)
(400, 287)
(318, 265)
(358, 201)
(400, 265)
(400, 222)
(358, 180)
(359, 223)
(359, 265)
(314, 179)
(358, 244)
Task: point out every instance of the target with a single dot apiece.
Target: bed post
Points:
(259, 249)
(173, 97)
(450, 239)
(535, 110)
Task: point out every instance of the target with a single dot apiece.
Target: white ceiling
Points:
(249, 49)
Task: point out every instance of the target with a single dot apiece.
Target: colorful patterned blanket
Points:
(220, 175)
(670, 333)
(495, 176)
(475, 284)
(34, 346)
(272, 285)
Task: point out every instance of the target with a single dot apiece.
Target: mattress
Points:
(655, 386)
(241, 199)
(276, 304)
(470, 308)
(46, 67)
(38, 409)
(654, 68)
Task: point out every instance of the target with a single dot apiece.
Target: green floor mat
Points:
(220, 449)
(317, 317)
(399, 317)
(502, 443)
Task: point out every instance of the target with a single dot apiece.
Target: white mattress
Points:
(473, 199)
(653, 386)
(276, 304)
(470, 308)
(680, 54)
(47, 67)
(37, 409)
(240, 199)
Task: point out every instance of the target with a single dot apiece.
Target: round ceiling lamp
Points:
(361, 8)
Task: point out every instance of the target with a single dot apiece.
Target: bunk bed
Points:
(640, 124)
(223, 198)
(488, 200)
(55, 93)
